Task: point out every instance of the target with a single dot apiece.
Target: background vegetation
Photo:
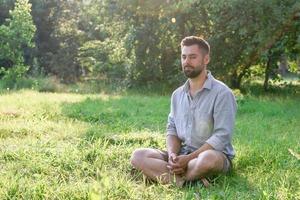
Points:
(134, 43)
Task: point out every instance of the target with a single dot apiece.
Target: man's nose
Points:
(186, 61)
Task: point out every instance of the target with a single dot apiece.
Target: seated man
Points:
(200, 125)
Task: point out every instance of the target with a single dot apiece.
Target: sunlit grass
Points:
(75, 146)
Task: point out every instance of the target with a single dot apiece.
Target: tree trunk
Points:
(235, 80)
(267, 73)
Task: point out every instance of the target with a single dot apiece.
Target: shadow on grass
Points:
(120, 115)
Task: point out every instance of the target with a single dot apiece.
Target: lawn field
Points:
(78, 146)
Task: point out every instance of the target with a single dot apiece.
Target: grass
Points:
(77, 146)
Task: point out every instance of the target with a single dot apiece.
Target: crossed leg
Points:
(153, 164)
(207, 163)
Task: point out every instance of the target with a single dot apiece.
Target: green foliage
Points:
(239, 32)
(244, 35)
(107, 57)
(48, 84)
(12, 75)
(14, 37)
(21, 26)
(136, 43)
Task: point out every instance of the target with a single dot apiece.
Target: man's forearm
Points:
(195, 154)
(173, 144)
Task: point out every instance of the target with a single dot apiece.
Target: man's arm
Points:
(182, 161)
(224, 118)
(173, 148)
(195, 154)
(173, 144)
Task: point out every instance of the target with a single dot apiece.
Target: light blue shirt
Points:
(208, 117)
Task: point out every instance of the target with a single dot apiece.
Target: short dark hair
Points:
(191, 40)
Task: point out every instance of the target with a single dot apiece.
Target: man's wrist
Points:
(171, 152)
(190, 156)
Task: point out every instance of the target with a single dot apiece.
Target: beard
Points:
(192, 72)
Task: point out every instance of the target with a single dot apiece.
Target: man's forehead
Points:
(189, 50)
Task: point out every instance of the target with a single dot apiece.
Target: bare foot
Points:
(179, 181)
(205, 182)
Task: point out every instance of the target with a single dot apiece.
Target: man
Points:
(200, 125)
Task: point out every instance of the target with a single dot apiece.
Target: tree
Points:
(15, 36)
(137, 42)
(244, 32)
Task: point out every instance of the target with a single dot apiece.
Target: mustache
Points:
(187, 66)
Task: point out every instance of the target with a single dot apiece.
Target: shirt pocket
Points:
(203, 127)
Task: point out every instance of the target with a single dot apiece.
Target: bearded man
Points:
(200, 125)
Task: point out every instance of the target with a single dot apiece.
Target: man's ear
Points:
(206, 59)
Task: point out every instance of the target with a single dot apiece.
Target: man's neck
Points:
(197, 83)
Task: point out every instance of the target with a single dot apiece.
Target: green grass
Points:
(77, 146)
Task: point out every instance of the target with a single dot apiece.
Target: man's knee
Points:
(209, 161)
(206, 162)
(137, 157)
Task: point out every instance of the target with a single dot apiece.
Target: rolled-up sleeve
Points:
(224, 118)
(171, 127)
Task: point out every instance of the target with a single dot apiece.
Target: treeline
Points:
(136, 42)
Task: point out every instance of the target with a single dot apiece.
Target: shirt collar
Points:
(207, 83)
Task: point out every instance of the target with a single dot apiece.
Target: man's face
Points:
(193, 61)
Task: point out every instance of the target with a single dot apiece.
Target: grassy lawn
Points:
(75, 146)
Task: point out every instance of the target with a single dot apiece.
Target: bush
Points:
(49, 84)
(12, 75)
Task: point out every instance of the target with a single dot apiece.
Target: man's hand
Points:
(178, 164)
(172, 158)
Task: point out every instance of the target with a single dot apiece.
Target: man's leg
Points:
(207, 163)
(153, 164)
